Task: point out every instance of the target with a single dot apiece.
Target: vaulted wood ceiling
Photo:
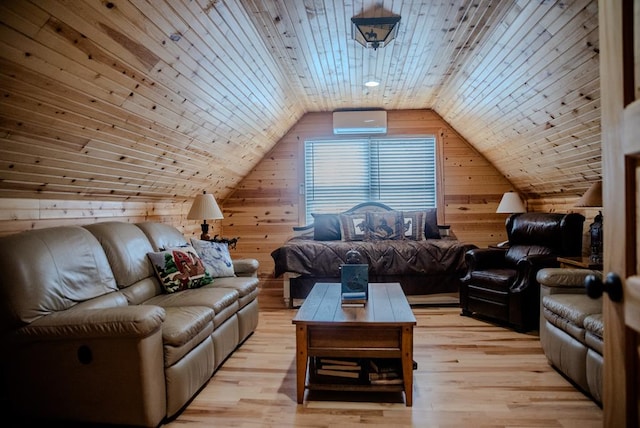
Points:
(156, 99)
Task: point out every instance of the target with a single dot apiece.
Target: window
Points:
(399, 172)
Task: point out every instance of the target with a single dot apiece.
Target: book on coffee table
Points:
(354, 299)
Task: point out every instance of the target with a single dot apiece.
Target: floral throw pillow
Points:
(179, 269)
(215, 256)
(384, 225)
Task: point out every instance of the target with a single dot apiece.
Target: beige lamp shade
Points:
(511, 203)
(205, 207)
(592, 197)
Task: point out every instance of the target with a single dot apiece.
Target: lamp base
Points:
(595, 232)
(205, 232)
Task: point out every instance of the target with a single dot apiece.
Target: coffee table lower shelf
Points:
(359, 387)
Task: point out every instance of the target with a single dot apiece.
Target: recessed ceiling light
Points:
(371, 83)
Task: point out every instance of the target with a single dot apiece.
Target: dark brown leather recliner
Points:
(501, 283)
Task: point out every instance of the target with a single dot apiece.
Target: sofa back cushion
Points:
(162, 236)
(126, 247)
(50, 270)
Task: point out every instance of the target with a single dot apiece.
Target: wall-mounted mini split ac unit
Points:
(360, 122)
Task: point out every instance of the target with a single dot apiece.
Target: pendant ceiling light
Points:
(375, 33)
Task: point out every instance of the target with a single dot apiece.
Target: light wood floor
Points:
(470, 373)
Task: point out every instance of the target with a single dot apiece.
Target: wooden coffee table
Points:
(383, 328)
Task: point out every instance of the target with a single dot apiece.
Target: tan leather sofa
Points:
(89, 335)
(571, 327)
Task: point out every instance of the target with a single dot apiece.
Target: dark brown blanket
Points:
(388, 257)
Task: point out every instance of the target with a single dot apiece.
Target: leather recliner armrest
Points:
(130, 321)
(528, 267)
(483, 258)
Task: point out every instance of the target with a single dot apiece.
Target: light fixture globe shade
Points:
(205, 207)
(511, 204)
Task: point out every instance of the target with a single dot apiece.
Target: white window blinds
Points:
(399, 172)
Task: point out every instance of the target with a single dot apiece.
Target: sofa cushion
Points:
(183, 329)
(568, 312)
(215, 257)
(179, 269)
(215, 298)
(572, 307)
(564, 325)
(593, 324)
(494, 279)
(247, 287)
(384, 225)
(595, 330)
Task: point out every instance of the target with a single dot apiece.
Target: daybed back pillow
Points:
(215, 256)
(384, 225)
(353, 226)
(326, 227)
(413, 225)
(179, 269)
(431, 230)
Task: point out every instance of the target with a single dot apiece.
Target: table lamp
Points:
(205, 207)
(511, 204)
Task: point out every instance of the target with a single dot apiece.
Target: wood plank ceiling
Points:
(160, 99)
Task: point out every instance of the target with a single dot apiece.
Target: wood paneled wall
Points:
(17, 215)
(266, 205)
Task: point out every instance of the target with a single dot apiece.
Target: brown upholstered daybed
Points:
(398, 246)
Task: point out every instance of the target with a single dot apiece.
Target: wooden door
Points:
(619, 71)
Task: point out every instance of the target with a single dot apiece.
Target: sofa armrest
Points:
(559, 279)
(125, 322)
(246, 267)
(95, 365)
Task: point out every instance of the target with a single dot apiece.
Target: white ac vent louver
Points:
(360, 122)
